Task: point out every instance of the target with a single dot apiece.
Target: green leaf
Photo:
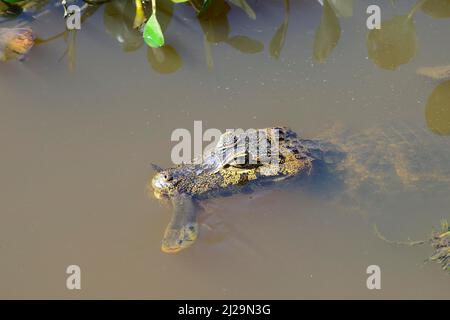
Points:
(444, 225)
(153, 35)
(8, 10)
(327, 35)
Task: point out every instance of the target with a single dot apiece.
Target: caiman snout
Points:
(162, 182)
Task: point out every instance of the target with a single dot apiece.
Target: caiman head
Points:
(182, 230)
(164, 182)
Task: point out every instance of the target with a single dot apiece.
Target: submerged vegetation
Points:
(439, 241)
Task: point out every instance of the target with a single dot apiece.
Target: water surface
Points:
(79, 131)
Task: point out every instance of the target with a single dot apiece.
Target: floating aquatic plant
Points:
(153, 35)
(439, 241)
(134, 23)
(152, 32)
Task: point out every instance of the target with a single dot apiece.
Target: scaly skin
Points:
(186, 184)
(205, 179)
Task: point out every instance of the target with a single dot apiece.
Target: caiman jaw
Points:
(176, 240)
(160, 185)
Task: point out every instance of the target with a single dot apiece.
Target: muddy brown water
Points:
(78, 134)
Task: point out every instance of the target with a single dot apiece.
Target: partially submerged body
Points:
(384, 161)
(231, 167)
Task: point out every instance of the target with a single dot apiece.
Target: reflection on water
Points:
(216, 29)
(118, 19)
(77, 148)
(436, 8)
(277, 42)
(437, 111)
(393, 45)
(165, 59)
(396, 42)
(328, 33)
